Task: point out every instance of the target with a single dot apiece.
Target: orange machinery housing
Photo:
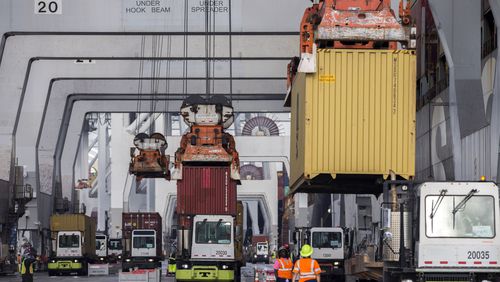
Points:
(151, 161)
(351, 24)
(207, 142)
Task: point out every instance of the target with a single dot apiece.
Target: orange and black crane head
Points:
(207, 143)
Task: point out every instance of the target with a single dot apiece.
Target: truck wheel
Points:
(337, 278)
(52, 273)
(84, 271)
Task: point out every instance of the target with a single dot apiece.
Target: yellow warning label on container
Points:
(327, 78)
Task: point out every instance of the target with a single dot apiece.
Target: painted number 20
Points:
(47, 7)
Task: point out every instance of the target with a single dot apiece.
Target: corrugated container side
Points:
(297, 144)
(260, 238)
(138, 220)
(355, 115)
(206, 190)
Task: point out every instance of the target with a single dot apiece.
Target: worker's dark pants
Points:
(27, 277)
(283, 280)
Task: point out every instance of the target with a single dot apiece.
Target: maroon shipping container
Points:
(259, 238)
(142, 220)
(206, 190)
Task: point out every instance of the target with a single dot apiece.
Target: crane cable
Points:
(207, 48)
(167, 82)
(230, 53)
(157, 52)
(139, 85)
(185, 49)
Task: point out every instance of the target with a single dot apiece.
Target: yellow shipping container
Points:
(353, 119)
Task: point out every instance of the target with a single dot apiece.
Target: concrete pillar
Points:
(83, 155)
(253, 207)
(245, 220)
(267, 220)
(120, 179)
(454, 19)
(495, 113)
(103, 162)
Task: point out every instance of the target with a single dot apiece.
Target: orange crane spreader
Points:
(207, 140)
(351, 24)
(151, 161)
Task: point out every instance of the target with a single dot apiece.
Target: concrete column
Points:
(454, 19)
(253, 207)
(245, 214)
(120, 179)
(495, 113)
(103, 163)
(83, 154)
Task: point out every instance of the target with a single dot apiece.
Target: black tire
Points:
(237, 272)
(337, 278)
(84, 271)
(52, 273)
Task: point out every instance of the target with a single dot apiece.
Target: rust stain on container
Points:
(362, 122)
(206, 190)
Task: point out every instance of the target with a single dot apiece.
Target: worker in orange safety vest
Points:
(306, 268)
(283, 266)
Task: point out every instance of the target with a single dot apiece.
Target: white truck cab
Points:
(144, 243)
(441, 231)
(459, 227)
(115, 248)
(262, 249)
(69, 244)
(213, 237)
(327, 243)
(101, 246)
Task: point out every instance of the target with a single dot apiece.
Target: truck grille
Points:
(447, 277)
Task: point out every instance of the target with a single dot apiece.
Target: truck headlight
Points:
(225, 267)
(52, 261)
(119, 257)
(336, 263)
(255, 256)
(150, 260)
(75, 261)
(185, 266)
(127, 260)
(265, 256)
(406, 280)
(102, 258)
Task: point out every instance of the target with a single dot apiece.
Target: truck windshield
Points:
(262, 247)
(99, 244)
(69, 241)
(213, 232)
(460, 216)
(143, 239)
(326, 240)
(144, 242)
(115, 244)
